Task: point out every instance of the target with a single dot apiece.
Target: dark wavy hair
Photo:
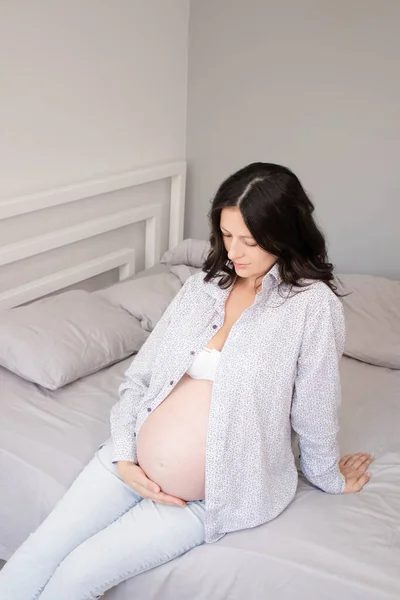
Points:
(279, 215)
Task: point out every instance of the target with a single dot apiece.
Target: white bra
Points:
(205, 364)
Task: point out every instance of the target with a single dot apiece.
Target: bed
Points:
(321, 547)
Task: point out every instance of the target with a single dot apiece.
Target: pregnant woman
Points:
(201, 436)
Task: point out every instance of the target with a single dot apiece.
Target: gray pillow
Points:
(59, 339)
(145, 298)
(372, 313)
(189, 252)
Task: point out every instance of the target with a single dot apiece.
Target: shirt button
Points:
(171, 383)
(134, 434)
(215, 326)
(149, 409)
(192, 352)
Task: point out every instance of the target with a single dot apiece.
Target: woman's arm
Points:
(137, 380)
(317, 392)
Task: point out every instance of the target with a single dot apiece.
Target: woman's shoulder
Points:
(193, 284)
(196, 281)
(325, 307)
(325, 311)
(317, 294)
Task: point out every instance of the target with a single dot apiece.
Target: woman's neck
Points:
(247, 284)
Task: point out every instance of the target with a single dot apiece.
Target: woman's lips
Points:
(239, 265)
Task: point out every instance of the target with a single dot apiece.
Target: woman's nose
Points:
(232, 256)
(234, 253)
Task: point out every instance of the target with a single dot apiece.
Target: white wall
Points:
(312, 84)
(88, 88)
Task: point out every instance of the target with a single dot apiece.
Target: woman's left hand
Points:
(354, 468)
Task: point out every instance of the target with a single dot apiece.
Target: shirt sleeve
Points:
(132, 390)
(317, 392)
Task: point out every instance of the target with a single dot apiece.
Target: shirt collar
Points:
(218, 293)
(273, 272)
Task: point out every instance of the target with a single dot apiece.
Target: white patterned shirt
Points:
(278, 370)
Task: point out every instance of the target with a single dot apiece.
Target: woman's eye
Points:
(226, 235)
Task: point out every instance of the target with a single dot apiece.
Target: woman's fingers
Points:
(345, 459)
(151, 490)
(358, 486)
(359, 469)
(159, 497)
(145, 482)
(362, 465)
(136, 478)
(355, 457)
(167, 499)
(356, 460)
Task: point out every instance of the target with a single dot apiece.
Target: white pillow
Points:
(59, 339)
(372, 313)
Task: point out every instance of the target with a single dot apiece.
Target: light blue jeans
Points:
(99, 534)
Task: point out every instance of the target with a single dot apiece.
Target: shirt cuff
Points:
(120, 454)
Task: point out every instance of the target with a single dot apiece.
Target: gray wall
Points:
(89, 89)
(311, 84)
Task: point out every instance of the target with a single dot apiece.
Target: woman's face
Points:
(250, 261)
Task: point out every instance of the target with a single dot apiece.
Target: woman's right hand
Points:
(136, 478)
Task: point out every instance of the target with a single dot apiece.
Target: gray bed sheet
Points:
(321, 547)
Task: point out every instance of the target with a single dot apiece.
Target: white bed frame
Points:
(123, 259)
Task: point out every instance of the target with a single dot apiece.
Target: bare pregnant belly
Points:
(171, 445)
